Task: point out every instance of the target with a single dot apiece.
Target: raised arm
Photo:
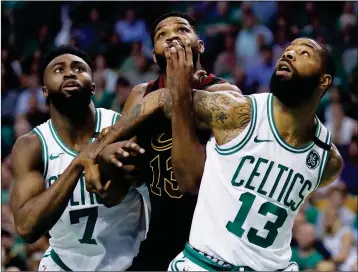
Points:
(35, 208)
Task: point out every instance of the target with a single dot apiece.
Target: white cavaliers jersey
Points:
(251, 191)
(89, 236)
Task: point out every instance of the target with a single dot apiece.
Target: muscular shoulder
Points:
(140, 89)
(333, 168)
(135, 96)
(226, 86)
(27, 151)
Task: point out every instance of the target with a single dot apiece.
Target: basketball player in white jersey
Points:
(49, 193)
(268, 153)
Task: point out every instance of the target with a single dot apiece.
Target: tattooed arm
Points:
(226, 113)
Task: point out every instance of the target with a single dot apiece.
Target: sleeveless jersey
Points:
(172, 211)
(89, 236)
(251, 191)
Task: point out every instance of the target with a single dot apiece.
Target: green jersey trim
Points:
(245, 140)
(44, 149)
(277, 135)
(58, 261)
(115, 118)
(61, 143)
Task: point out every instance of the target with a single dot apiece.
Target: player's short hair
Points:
(61, 50)
(185, 16)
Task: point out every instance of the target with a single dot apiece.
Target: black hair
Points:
(61, 50)
(185, 16)
(328, 64)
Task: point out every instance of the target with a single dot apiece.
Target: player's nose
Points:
(69, 74)
(290, 55)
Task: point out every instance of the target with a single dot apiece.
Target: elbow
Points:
(27, 234)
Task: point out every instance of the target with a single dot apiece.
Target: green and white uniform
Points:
(89, 236)
(251, 191)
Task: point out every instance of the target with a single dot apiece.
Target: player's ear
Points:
(154, 58)
(45, 92)
(325, 81)
(93, 88)
(200, 45)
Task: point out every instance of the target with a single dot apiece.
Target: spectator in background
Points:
(260, 74)
(33, 88)
(130, 29)
(246, 42)
(43, 42)
(305, 255)
(12, 258)
(90, 34)
(115, 51)
(35, 114)
(336, 195)
(341, 126)
(102, 71)
(226, 61)
(8, 100)
(338, 239)
(326, 266)
(22, 127)
(141, 73)
(102, 98)
(129, 64)
(348, 17)
(123, 90)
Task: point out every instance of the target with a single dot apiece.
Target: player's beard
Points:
(295, 91)
(162, 61)
(74, 106)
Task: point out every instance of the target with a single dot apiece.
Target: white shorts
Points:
(186, 262)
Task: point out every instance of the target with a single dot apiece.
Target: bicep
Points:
(28, 179)
(221, 110)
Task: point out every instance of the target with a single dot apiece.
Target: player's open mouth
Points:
(71, 85)
(283, 69)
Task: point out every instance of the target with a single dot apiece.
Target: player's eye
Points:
(182, 29)
(160, 35)
(78, 69)
(59, 70)
(305, 53)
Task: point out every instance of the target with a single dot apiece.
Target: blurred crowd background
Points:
(243, 40)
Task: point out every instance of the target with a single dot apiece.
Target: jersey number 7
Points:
(92, 214)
